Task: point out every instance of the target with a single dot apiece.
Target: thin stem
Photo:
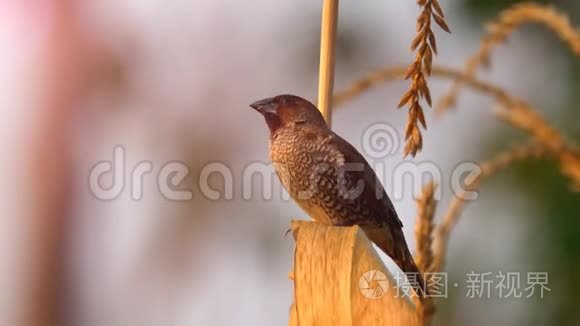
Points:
(327, 55)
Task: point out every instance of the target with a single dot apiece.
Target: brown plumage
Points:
(329, 179)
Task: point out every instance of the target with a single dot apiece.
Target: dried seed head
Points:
(425, 46)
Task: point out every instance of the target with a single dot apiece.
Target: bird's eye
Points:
(301, 121)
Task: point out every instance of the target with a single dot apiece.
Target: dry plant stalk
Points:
(426, 205)
(522, 117)
(570, 166)
(488, 168)
(425, 45)
(424, 227)
(498, 31)
(390, 74)
(521, 114)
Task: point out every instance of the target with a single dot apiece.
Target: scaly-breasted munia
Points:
(330, 180)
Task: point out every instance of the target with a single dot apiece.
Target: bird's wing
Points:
(380, 207)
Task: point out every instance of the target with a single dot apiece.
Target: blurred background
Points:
(171, 81)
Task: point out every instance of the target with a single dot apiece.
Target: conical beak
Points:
(265, 105)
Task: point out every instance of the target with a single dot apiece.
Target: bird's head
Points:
(286, 110)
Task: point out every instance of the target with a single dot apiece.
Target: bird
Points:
(330, 180)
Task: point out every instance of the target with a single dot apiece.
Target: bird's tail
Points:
(392, 242)
(414, 276)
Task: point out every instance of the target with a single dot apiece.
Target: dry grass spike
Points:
(390, 74)
(570, 166)
(488, 168)
(426, 205)
(425, 46)
(424, 226)
(522, 117)
(515, 111)
(499, 30)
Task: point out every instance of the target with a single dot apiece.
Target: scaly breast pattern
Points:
(307, 167)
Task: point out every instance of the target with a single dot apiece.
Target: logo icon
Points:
(380, 140)
(373, 284)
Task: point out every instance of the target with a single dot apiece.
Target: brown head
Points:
(286, 110)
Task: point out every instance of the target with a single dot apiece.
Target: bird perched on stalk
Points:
(330, 180)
